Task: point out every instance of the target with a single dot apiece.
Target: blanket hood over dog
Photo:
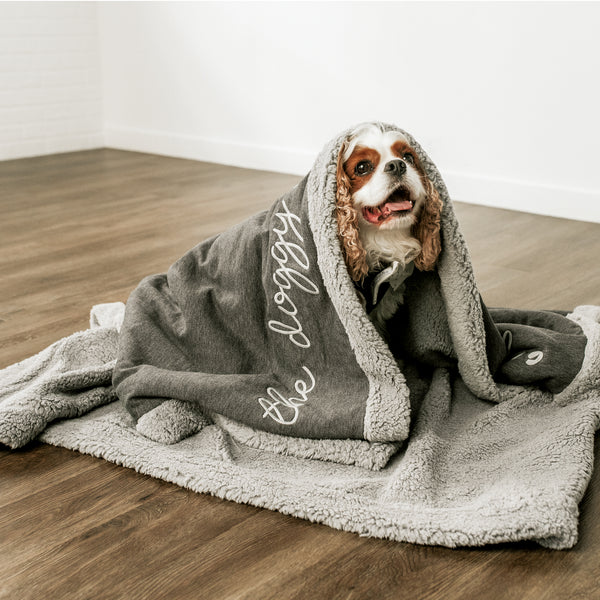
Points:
(262, 324)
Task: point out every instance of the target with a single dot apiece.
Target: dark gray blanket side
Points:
(538, 348)
(242, 325)
(545, 348)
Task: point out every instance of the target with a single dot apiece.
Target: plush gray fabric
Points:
(413, 435)
(472, 472)
(66, 380)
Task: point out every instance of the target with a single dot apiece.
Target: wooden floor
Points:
(83, 228)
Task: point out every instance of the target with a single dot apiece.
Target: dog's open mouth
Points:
(397, 204)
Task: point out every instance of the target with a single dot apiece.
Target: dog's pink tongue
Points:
(391, 207)
(372, 214)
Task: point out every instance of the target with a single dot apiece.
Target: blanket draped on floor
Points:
(250, 370)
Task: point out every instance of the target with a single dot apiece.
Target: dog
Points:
(388, 214)
(387, 208)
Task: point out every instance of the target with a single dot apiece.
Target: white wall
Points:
(504, 96)
(50, 86)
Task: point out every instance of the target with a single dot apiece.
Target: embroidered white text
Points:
(285, 410)
(289, 256)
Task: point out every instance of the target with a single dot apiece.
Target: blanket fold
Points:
(66, 380)
(253, 371)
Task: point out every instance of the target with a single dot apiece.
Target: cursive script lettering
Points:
(290, 256)
(291, 259)
(286, 410)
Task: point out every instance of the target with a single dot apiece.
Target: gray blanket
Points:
(254, 358)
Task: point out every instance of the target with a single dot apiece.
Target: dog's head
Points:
(382, 187)
(386, 180)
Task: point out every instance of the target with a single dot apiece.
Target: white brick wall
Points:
(50, 78)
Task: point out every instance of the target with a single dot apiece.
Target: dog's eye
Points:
(409, 158)
(364, 167)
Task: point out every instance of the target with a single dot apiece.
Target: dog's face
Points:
(386, 180)
(387, 209)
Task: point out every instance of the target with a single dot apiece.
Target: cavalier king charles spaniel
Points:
(387, 209)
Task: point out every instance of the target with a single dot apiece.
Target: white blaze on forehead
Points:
(372, 137)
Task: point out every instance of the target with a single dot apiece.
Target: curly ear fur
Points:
(347, 222)
(427, 228)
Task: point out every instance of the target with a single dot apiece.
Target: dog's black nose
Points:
(396, 167)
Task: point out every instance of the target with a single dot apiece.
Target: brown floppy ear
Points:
(427, 229)
(347, 222)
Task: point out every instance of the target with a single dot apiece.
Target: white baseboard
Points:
(51, 145)
(553, 201)
(225, 152)
(563, 202)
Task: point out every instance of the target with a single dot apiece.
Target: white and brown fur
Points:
(389, 175)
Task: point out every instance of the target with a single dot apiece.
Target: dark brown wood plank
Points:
(83, 228)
